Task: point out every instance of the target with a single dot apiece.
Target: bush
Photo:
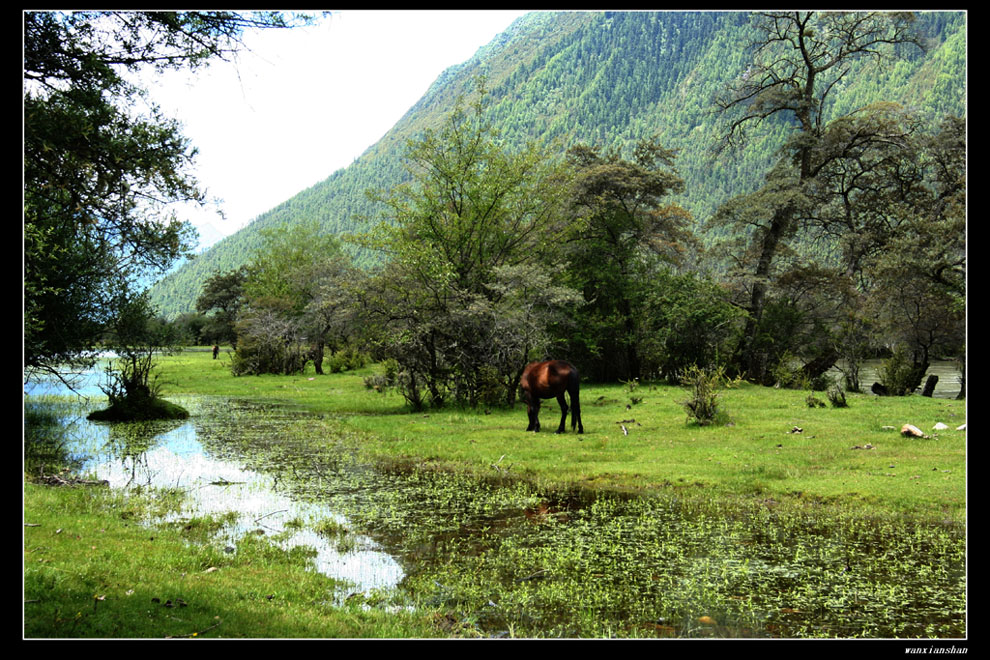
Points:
(386, 380)
(836, 396)
(898, 374)
(705, 386)
(132, 386)
(346, 359)
(685, 320)
(394, 377)
(267, 343)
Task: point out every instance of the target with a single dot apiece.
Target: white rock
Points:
(940, 427)
(909, 430)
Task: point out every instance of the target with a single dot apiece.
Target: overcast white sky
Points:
(308, 101)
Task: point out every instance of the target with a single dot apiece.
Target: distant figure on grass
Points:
(216, 351)
(545, 380)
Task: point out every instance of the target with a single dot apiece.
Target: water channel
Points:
(503, 559)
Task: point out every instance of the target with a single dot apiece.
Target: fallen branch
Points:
(270, 514)
(195, 634)
(55, 480)
(532, 576)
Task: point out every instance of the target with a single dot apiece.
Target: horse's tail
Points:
(574, 388)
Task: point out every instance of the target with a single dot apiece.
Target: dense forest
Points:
(605, 79)
(686, 196)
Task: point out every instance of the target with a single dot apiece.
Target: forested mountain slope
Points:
(606, 79)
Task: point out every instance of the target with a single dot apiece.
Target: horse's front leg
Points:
(533, 409)
(563, 412)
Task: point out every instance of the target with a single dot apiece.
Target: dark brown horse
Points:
(546, 380)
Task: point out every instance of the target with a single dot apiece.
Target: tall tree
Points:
(222, 294)
(623, 222)
(101, 177)
(799, 58)
(291, 297)
(465, 239)
(919, 279)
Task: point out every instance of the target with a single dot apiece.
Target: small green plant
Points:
(705, 386)
(836, 396)
(337, 533)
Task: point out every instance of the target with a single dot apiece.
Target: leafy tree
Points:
(100, 175)
(467, 240)
(290, 293)
(191, 326)
(686, 321)
(622, 218)
(136, 338)
(331, 318)
(798, 60)
(222, 294)
(921, 277)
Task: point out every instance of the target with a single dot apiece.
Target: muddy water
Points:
(499, 558)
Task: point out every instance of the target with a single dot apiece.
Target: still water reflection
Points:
(215, 481)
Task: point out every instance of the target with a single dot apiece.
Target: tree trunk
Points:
(318, 357)
(753, 365)
(820, 365)
(632, 354)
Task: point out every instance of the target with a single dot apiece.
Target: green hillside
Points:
(606, 79)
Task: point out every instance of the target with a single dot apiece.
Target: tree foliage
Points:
(468, 243)
(136, 338)
(223, 295)
(294, 291)
(103, 169)
(799, 58)
(623, 225)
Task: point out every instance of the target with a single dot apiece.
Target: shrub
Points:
(705, 386)
(267, 343)
(899, 374)
(346, 359)
(836, 396)
(394, 377)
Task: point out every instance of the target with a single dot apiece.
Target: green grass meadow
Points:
(840, 455)
(95, 568)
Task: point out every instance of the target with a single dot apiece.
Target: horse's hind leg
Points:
(576, 411)
(563, 411)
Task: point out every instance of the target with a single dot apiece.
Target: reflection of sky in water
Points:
(85, 383)
(177, 459)
(214, 487)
